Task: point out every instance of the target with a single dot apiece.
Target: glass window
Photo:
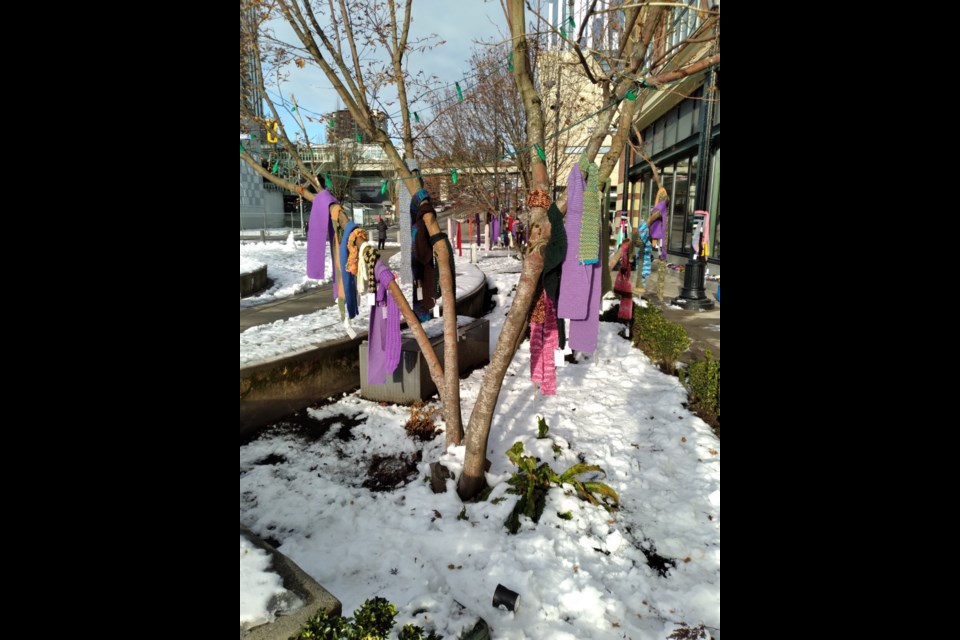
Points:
(680, 203)
(697, 105)
(674, 222)
(647, 141)
(670, 134)
(658, 130)
(715, 204)
(685, 124)
(692, 199)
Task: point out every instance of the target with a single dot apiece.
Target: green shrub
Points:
(663, 341)
(669, 340)
(372, 621)
(413, 632)
(644, 320)
(532, 481)
(702, 380)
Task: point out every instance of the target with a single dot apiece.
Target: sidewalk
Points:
(703, 327)
(298, 305)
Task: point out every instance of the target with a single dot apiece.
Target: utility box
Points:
(411, 379)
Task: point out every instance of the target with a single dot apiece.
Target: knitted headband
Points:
(538, 198)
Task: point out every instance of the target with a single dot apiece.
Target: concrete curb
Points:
(271, 390)
(295, 579)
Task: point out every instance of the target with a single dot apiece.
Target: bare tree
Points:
(333, 37)
(619, 79)
(479, 138)
(334, 40)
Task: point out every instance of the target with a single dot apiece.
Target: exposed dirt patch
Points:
(272, 459)
(657, 562)
(302, 425)
(387, 473)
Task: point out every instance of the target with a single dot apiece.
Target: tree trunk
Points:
(472, 479)
(449, 390)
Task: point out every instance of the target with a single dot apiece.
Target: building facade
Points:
(680, 133)
(261, 203)
(342, 126)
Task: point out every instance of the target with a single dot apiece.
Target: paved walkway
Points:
(297, 305)
(703, 327)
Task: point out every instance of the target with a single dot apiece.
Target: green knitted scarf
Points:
(590, 223)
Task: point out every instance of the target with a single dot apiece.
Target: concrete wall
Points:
(251, 283)
(271, 390)
(274, 389)
(294, 578)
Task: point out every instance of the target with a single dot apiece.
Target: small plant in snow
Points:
(542, 428)
(532, 481)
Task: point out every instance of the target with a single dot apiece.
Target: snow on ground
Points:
(248, 265)
(636, 573)
(293, 335)
(286, 268)
(262, 594)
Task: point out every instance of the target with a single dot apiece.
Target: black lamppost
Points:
(693, 294)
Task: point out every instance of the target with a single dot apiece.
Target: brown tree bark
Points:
(472, 479)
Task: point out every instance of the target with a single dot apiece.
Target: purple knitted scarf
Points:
(321, 230)
(579, 297)
(657, 227)
(383, 341)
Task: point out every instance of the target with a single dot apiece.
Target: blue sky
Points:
(460, 23)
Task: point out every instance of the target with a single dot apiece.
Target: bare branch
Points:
(277, 180)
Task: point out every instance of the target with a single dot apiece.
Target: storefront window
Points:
(676, 214)
(715, 203)
(670, 135)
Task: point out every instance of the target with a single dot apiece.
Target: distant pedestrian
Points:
(381, 233)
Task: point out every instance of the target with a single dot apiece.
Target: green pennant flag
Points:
(416, 116)
(453, 176)
(358, 138)
(510, 62)
(459, 91)
(572, 23)
(540, 152)
(276, 165)
(326, 181)
(631, 96)
(563, 32)
(242, 149)
(383, 187)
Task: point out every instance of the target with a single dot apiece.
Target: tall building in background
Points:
(261, 203)
(602, 31)
(345, 127)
